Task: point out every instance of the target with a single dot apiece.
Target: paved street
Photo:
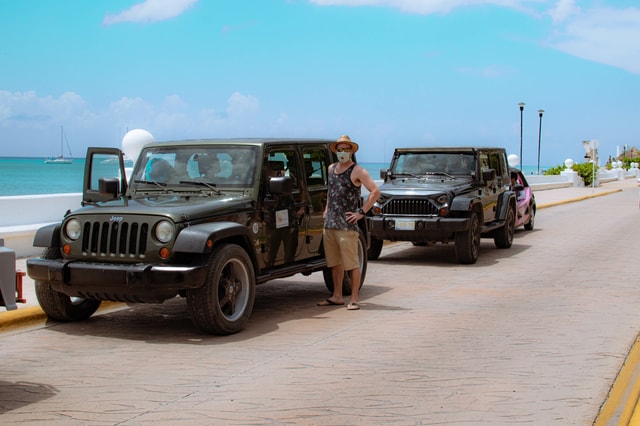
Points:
(534, 334)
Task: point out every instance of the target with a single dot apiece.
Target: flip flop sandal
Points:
(329, 302)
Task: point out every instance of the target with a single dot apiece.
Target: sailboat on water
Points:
(60, 159)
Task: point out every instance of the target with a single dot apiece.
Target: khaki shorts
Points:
(341, 248)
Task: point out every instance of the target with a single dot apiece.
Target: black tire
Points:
(375, 249)
(532, 218)
(224, 303)
(346, 283)
(58, 306)
(503, 237)
(468, 242)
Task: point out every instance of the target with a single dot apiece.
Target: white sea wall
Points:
(22, 215)
(617, 172)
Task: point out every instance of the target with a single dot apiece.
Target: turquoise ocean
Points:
(31, 176)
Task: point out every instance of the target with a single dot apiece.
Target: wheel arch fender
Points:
(201, 238)
(507, 201)
(48, 236)
(467, 205)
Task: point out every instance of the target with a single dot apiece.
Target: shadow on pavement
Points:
(277, 302)
(443, 255)
(15, 395)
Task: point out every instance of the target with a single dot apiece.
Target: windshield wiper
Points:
(404, 174)
(210, 185)
(439, 174)
(161, 185)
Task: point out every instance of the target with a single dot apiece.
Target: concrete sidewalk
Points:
(622, 403)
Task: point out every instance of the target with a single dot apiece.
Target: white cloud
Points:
(174, 102)
(28, 116)
(126, 106)
(27, 107)
(423, 7)
(563, 10)
(150, 11)
(603, 35)
(240, 105)
(599, 34)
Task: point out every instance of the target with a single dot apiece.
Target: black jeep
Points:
(445, 195)
(204, 219)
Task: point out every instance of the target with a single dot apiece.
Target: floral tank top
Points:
(343, 197)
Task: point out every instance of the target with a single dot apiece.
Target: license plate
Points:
(405, 224)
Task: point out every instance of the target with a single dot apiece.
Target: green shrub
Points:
(555, 170)
(626, 162)
(585, 171)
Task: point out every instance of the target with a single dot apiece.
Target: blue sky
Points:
(387, 72)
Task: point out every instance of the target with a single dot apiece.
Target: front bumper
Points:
(138, 282)
(418, 229)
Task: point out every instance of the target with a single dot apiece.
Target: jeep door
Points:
(286, 215)
(104, 175)
(316, 160)
(493, 160)
(490, 191)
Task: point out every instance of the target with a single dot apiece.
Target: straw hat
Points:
(342, 140)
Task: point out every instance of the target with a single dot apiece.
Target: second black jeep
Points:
(445, 195)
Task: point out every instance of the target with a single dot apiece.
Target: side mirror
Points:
(488, 175)
(109, 186)
(281, 185)
(383, 174)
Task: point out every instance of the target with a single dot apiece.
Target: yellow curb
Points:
(16, 318)
(573, 200)
(621, 406)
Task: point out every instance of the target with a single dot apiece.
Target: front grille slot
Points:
(410, 207)
(119, 239)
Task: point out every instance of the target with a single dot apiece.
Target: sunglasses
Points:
(343, 149)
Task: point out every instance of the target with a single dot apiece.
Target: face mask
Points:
(343, 157)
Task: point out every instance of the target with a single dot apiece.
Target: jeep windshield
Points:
(176, 168)
(421, 164)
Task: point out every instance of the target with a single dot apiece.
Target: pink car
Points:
(526, 200)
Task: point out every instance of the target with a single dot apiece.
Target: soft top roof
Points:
(449, 149)
(241, 141)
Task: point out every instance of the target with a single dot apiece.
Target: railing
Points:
(22, 215)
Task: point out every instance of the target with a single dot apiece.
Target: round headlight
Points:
(442, 199)
(72, 229)
(164, 231)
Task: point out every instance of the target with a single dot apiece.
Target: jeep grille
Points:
(410, 207)
(123, 239)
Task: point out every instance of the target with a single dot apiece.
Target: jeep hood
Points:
(423, 186)
(178, 208)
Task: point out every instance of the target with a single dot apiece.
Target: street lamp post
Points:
(521, 105)
(540, 112)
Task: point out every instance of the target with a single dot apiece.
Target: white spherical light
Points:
(133, 142)
(513, 160)
(568, 163)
